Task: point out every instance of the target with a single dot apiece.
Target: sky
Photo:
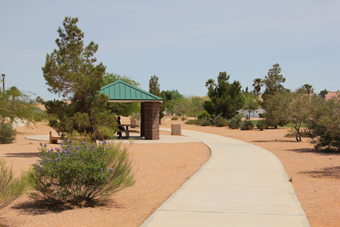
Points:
(183, 42)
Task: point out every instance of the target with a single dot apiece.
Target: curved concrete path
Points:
(241, 185)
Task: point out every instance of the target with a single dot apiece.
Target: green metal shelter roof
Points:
(120, 91)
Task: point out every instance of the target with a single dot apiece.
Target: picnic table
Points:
(127, 130)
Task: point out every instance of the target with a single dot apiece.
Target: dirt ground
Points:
(160, 169)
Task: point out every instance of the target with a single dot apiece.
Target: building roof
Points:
(332, 95)
(120, 91)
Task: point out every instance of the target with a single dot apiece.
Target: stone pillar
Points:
(151, 120)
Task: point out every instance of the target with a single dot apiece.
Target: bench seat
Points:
(54, 139)
(127, 132)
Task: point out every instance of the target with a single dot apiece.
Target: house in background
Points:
(332, 95)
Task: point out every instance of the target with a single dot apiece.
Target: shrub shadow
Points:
(41, 207)
(23, 155)
(331, 172)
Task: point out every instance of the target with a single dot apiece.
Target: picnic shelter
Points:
(122, 92)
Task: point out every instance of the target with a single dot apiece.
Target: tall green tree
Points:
(273, 82)
(154, 89)
(276, 109)
(70, 71)
(154, 86)
(225, 98)
(171, 97)
(251, 103)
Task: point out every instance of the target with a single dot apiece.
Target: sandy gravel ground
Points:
(315, 175)
(160, 169)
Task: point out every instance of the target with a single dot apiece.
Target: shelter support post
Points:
(150, 120)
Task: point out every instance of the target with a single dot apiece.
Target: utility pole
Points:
(3, 82)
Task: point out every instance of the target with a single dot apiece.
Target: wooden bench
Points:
(127, 132)
(54, 139)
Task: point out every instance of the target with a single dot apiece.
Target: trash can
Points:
(176, 129)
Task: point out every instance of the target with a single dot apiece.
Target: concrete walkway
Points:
(240, 185)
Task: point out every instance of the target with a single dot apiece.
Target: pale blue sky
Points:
(182, 42)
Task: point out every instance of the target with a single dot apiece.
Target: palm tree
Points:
(210, 84)
(258, 83)
(308, 88)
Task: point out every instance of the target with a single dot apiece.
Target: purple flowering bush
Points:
(77, 172)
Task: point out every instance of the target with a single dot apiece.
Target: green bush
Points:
(235, 122)
(7, 133)
(174, 118)
(192, 122)
(105, 133)
(247, 125)
(78, 174)
(203, 114)
(261, 124)
(219, 121)
(10, 188)
(205, 122)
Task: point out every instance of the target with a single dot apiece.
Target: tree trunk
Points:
(298, 135)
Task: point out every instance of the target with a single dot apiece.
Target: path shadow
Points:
(23, 155)
(331, 172)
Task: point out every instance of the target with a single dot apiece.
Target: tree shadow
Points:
(41, 207)
(331, 172)
(23, 155)
(273, 141)
(312, 150)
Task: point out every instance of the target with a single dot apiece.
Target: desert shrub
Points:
(235, 122)
(10, 188)
(204, 122)
(261, 124)
(203, 114)
(184, 117)
(247, 125)
(219, 121)
(324, 124)
(105, 133)
(174, 118)
(7, 133)
(192, 122)
(78, 174)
